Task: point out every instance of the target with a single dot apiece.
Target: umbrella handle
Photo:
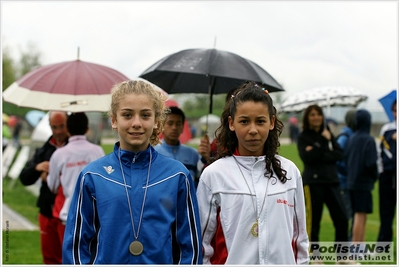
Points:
(77, 102)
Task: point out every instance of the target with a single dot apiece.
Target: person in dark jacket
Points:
(361, 158)
(37, 168)
(387, 179)
(342, 140)
(319, 152)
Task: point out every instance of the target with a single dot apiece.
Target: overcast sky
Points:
(302, 44)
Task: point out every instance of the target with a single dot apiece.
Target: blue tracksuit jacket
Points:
(99, 228)
(185, 154)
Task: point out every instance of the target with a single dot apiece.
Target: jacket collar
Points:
(141, 157)
(53, 143)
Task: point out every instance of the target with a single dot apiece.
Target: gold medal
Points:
(255, 226)
(254, 229)
(136, 248)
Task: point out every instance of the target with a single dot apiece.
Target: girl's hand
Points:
(308, 148)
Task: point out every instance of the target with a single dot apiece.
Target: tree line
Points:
(13, 69)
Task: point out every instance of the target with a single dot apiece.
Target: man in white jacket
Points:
(66, 164)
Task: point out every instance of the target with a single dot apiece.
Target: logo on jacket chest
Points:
(285, 202)
(109, 169)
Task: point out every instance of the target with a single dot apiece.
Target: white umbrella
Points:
(327, 96)
(210, 118)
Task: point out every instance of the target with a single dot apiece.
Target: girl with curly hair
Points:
(250, 198)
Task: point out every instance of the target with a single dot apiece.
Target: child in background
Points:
(251, 200)
(134, 206)
(361, 158)
(342, 169)
(171, 146)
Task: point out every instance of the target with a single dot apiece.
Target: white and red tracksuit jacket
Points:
(227, 213)
(65, 166)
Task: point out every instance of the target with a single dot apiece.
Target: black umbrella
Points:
(207, 71)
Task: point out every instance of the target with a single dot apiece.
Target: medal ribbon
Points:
(136, 236)
(254, 228)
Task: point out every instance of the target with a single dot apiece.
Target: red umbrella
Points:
(75, 86)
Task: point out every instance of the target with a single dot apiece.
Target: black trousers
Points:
(316, 196)
(387, 198)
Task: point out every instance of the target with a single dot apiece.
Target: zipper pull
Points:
(134, 158)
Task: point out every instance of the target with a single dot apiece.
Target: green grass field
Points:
(23, 247)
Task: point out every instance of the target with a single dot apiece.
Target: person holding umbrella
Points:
(251, 199)
(134, 206)
(206, 149)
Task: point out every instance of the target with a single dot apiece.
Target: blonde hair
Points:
(141, 87)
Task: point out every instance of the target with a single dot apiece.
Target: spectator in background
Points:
(6, 134)
(193, 131)
(37, 168)
(361, 158)
(171, 146)
(387, 179)
(293, 129)
(319, 152)
(342, 140)
(66, 164)
(16, 131)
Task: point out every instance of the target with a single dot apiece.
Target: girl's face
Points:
(135, 122)
(252, 125)
(315, 120)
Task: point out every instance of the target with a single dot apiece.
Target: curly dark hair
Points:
(227, 139)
